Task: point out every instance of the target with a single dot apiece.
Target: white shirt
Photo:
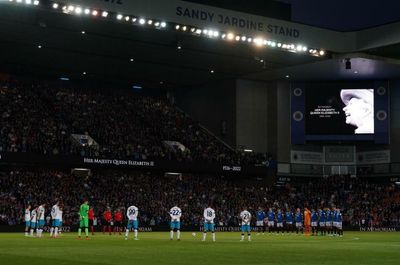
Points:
(209, 215)
(59, 214)
(27, 215)
(33, 216)
(175, 214)
(40, 212)
(246, 217)
(132, 213)
(54, 211)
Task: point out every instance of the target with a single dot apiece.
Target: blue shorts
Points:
(209, 227)
(132, 224)
(55, 223)
(27, 223)
(40, 223)
(246, 228)
(33, 224)
(175, 225)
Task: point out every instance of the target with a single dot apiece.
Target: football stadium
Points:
(199, 132)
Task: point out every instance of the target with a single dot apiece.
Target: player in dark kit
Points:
(289, 221)
(271, 220)
(260, 215)
(322, 222)
(107, 218)
(118, 221)
(91, 218)
(314, 222)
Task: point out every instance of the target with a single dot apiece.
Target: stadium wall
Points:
(255, 121)
(283, 126)
(395, 120)
(213, 105)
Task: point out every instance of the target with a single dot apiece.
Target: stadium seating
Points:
(41, 118)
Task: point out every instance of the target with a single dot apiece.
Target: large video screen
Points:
(339, 111)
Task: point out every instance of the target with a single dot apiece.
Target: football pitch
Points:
(155, 248)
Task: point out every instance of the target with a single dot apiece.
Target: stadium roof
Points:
(39, 41)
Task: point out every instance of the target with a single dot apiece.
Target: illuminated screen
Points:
(339, 111)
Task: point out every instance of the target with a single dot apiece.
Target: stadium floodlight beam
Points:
(150, 22)
(119, 16)
(127, 18)
(184, 28)
(71, 8)
(95, 12)
(87, 11)
(230, 36)
(78, 10)
(104, 14)
(157, 24)
(36, 2)
(28, 2)
(55, 5)
(244, 38)
(142, 21)
(237, 38)
(322, 52)
(305, 48)
(134, 19)
(177, 27)
(216, 34)
(163, 24)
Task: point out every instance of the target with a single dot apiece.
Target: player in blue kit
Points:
(314, 222)
(329, 221)
(289, 221)
(322, 222)
(299, 221)
(279, 221)
(271, 220)
(260, 223)
(334, 223)
(339, 221)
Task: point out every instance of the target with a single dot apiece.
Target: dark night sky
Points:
(345, 15)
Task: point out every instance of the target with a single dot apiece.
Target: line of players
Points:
(324, 221)
(35, 220)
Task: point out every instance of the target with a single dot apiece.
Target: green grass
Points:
(155, 248)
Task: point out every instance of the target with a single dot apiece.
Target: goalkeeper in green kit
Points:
(84, 218)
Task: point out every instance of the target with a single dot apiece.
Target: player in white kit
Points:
(55, 223)
(245, 216)
(132, 214)
(27, 219)
(209, 216)
(41, 222)
(175, 213)
(33, 221)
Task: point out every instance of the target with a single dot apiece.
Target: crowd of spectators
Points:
(41, 118)
(363, 202)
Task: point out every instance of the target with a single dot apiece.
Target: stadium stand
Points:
(41, 118)
(364, 202)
